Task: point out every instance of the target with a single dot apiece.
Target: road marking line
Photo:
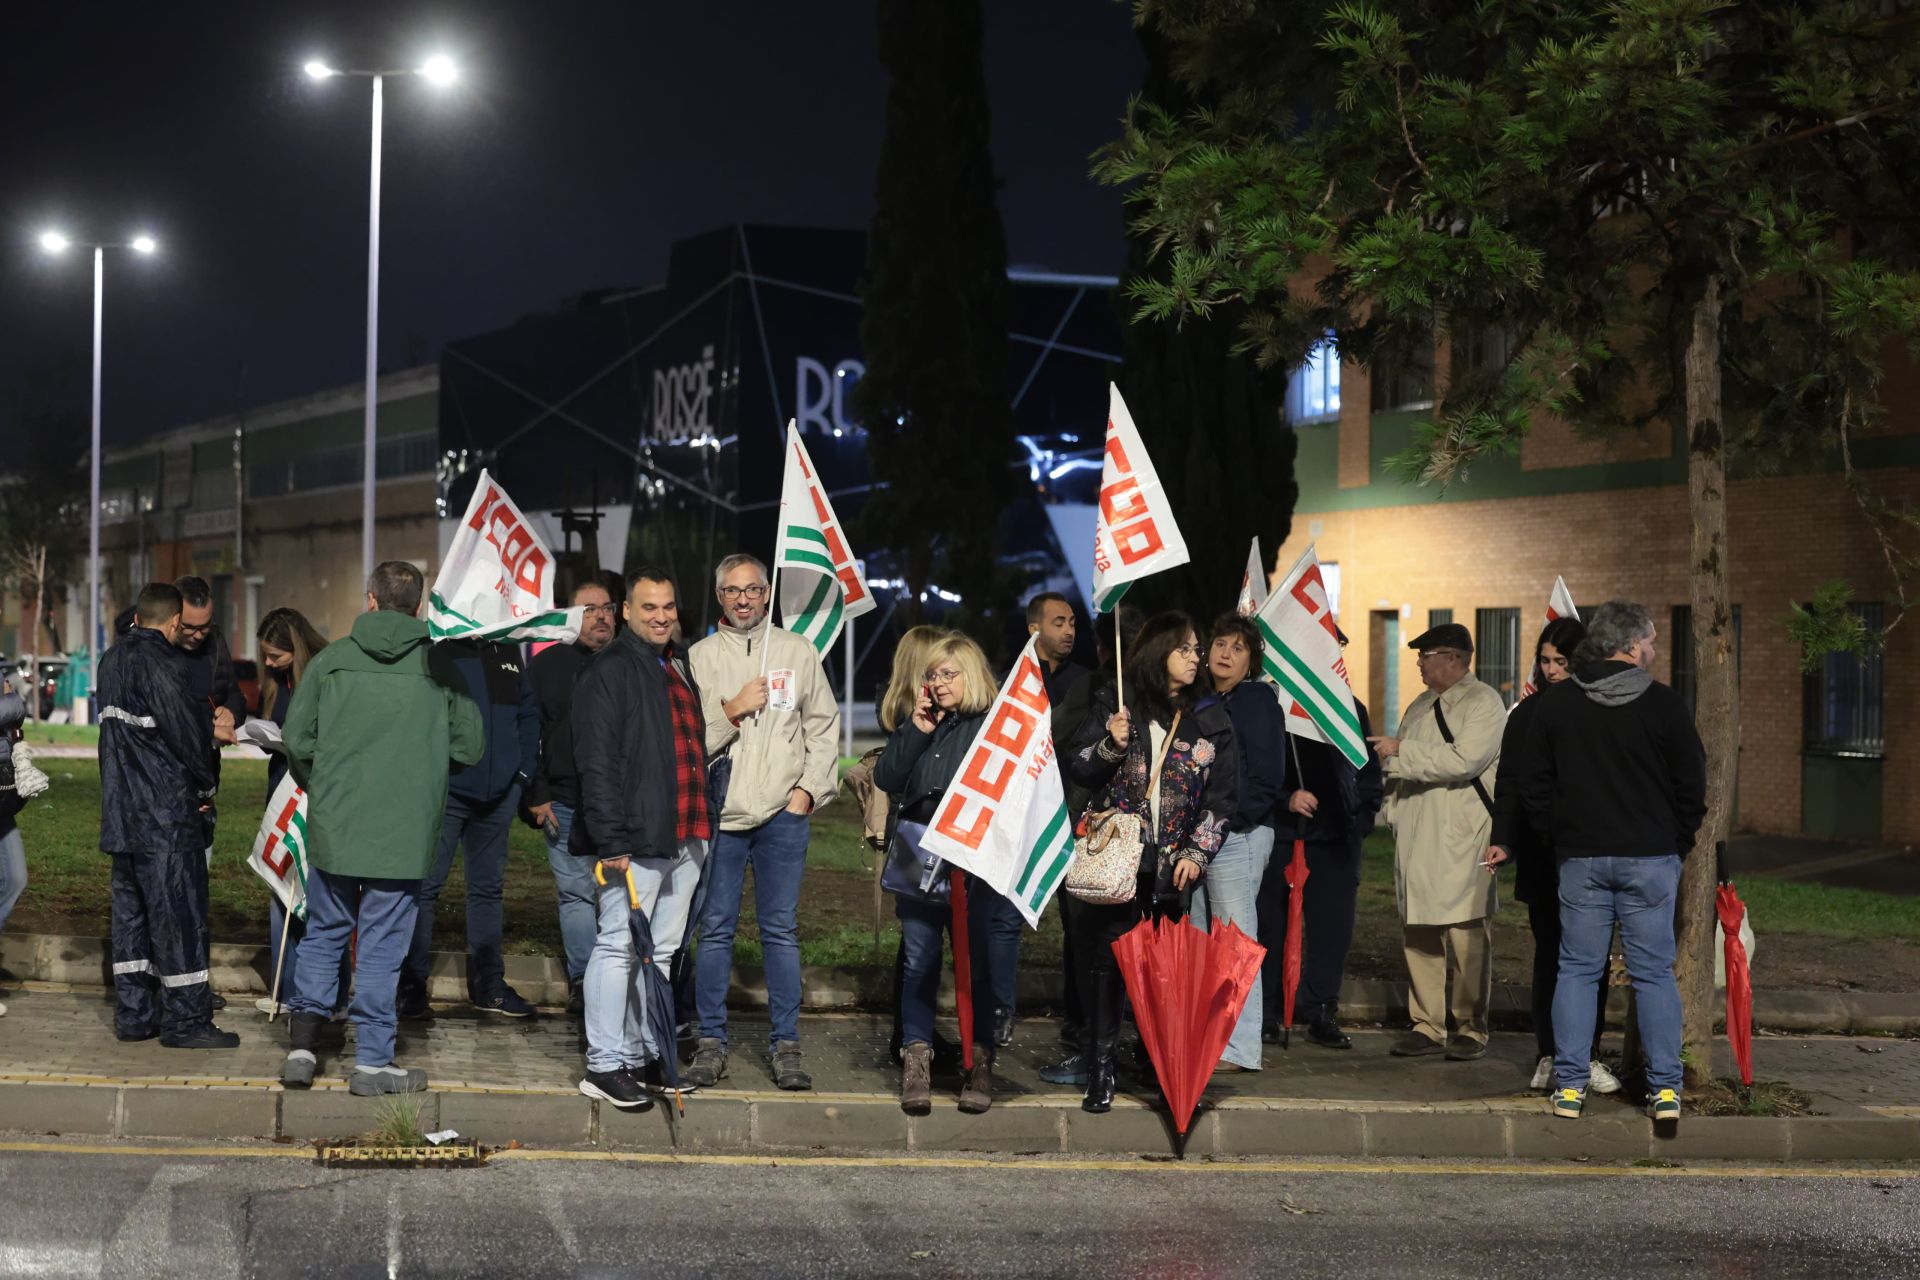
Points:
(1161, 1165)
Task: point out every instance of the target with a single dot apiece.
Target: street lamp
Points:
(55, 243)
(440, 72)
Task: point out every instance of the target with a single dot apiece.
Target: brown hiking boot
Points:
(977, 1094)
(709, 1066)
(916, 1079)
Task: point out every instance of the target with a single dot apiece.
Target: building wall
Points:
(1788, 535)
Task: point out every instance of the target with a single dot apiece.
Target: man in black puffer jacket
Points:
(156, 781)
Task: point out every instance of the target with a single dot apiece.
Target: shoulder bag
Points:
(1479, 787)
(1106, 859)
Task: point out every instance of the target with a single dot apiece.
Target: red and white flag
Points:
(1559, 605)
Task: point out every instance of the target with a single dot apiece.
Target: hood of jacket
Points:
(1613, 684)
(389, 637)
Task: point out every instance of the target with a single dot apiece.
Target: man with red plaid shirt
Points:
(639, 744)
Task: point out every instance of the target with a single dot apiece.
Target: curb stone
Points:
(760, 1123)
(247, 969)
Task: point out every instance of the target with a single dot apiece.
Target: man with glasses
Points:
(209, 672)
(773, 733)
(554, 794)
(1439, 783)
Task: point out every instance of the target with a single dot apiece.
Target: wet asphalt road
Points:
(142, 1214)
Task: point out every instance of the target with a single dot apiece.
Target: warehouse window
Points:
(1313, 393)
(341, 466)
(1404, 383)
(1497, 650)
(1844, 699)
(1438, 617)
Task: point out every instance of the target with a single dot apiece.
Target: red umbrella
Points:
(1290, 956)
(1187, 989)
(1726, 901)
(962, 965)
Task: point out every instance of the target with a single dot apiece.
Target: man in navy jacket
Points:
(482, 801)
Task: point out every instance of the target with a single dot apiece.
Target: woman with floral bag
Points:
(1164, 773)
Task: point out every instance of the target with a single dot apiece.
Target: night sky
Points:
(584, 138)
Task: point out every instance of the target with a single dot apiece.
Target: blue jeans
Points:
(1638, 894)
(777, 852)
(573, 885)
(618, 1034)
(13, 869)
(995, 953)
(276, 921)
(1227, 894)
(482, 830)
(382, 912)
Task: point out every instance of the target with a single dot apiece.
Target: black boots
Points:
(1103, 1034)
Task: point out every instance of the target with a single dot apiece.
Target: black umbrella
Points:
(658, 989)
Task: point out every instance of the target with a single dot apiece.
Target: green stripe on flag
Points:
(1350, 745)
(1339, 703)
(831, 631)
(794, 557)
(807, 533)
(818, 623)
(1056, 870)
(1048, 836)
(1105, 602)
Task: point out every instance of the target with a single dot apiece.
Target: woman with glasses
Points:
(1183, 731)
(920, 762)
(1537, 870)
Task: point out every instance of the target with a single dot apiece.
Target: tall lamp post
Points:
(439, 72)
(56, 243)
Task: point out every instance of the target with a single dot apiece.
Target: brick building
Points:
(1833, 754)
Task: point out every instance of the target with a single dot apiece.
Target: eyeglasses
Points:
(946, 675)
(1427, 655)
(1188, 650)
(189, 629)
(599, 610)
(753, 592)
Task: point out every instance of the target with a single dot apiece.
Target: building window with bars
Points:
(1438, 617)
(1313, 393)
(1844, 699)
(1496, 644)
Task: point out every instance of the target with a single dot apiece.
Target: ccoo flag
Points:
(280, 848)
(1253, 584)
(820, 586)
(1133, 532)
(1559, 605)
(1005, 816)
(497, 580)
(1303, 658)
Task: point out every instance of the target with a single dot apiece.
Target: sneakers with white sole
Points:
(1665, 1110)
(1542, 1074)
(1600, 1079)
(1568, 1102)
(369, 1082)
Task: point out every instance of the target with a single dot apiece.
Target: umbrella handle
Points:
(633, 894)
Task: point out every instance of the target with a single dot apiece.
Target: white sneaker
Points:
(3, 1010)
(266, 1005)
(1601, 1080)
(1543, 1075)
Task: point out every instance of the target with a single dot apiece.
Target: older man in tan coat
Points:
(1439, 776)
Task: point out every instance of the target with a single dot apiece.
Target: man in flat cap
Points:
(1439, 782)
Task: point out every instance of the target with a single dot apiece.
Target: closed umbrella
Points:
(656, 987)
(962, 964)
(1296, 928)
(1732, 912)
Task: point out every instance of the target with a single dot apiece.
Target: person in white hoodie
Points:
(773, 735)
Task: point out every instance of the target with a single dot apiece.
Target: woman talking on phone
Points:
(1168, 758)
(920, 762)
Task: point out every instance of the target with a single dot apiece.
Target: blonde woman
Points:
(920, 762)
(909, 673)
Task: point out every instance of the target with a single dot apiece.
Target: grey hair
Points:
(1616, 625)
(735, 561)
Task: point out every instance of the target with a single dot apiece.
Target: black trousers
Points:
(1544, 918)
(1333, 884)
(160, 943)
(1096, 927)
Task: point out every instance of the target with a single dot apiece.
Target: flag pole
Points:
(846, 716)
(279, 961)
(1119, 665)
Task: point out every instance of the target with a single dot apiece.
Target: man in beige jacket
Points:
(1439, 776)
(773, 735)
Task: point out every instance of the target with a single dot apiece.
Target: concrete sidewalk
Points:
(61, 1071)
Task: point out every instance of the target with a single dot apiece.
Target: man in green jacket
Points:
(370, 732)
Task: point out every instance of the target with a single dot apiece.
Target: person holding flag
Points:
(1166, 755)
(773, 740)
(920, 762)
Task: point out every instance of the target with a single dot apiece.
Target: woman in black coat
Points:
(1537, 870)
(1183, 822)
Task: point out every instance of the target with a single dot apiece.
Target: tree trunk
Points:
(1717, 710)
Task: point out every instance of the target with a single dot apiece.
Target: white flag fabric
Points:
(1253, 584)
(1559, 605)
(497, 580)
(1133, 531)
(820, 585)
(1005, 816)
(1303, 657)
(280, 847)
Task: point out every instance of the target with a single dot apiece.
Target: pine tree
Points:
(934, 327)
(1686, 210)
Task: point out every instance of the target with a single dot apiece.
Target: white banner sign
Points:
(280, 849)
(496, 582)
